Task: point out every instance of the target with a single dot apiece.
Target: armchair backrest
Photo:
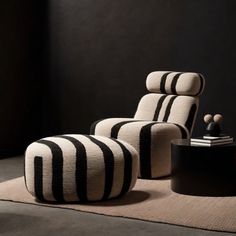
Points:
(173, 98)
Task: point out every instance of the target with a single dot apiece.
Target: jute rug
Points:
(151, 200)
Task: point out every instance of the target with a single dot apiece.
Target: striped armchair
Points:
(167, 112)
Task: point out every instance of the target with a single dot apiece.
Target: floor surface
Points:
(22, 219)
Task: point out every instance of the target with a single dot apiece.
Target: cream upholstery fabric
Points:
(180, 83)
(167, 113)
(71, 168)
(146, 137)
(168, 108)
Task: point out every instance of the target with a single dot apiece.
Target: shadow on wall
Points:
(21, 74)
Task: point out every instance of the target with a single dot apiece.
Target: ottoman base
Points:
(71, 168)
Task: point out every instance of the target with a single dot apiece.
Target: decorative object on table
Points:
(203, 171)
(71, 168)
(213, 128)
(167, 112)
(214, 135)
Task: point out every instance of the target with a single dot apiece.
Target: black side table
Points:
(203, 171)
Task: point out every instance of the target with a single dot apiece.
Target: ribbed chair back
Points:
(173, 98)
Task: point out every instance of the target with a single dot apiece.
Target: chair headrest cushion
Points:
(180, 83)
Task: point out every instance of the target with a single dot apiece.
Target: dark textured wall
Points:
(101, 52)
(20, 74)
(84, 60)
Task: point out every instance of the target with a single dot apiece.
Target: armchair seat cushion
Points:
(167, 112)
(151, 139)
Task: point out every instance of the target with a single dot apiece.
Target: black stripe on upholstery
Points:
(158, 108)
(38, 178)
(93, 126)
(115, 129)
(183, 131)
(163, 82)
(191, 115)
(201, 85)
(145, 151)
(109, 165)
(81, 168)
(168, 108)
(57, 169)
(174, 83)
(127, 168)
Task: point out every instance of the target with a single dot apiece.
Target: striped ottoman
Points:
(70, 168)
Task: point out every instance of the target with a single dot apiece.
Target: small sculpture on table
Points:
(213, 135)
(213, 125)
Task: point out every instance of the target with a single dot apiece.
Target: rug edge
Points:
(116, 216)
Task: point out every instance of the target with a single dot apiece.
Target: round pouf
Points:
(70, 168)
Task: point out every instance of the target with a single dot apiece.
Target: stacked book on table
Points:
(211, 141)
